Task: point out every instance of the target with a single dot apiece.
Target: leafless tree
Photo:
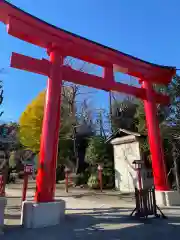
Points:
(77, 97)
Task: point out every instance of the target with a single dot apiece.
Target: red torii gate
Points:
(59, 44)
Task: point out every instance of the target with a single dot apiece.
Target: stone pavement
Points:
(93, 216)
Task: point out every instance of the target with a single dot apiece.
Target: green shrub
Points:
(93, 181)
(82, 178)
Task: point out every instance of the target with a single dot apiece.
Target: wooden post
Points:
(100, 177)
(25, 186)
(28, 170)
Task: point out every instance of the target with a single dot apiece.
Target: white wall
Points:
(126, 150)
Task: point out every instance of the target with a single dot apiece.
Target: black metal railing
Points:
(146, 203)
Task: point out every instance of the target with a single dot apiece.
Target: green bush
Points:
(12, 160)
(82, 178)
(93, 181)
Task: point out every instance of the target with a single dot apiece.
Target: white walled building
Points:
(126, 146)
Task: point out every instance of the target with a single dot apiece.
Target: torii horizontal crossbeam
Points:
(43, 66)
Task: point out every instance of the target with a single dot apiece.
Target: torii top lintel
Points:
(33, 30)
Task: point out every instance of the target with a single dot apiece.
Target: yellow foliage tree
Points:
(30, 123)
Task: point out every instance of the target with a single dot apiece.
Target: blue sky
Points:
(146, 29)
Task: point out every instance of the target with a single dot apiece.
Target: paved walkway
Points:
(93, 217)
(110, 224)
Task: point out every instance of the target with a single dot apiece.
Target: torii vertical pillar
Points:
(156, 149)
(46, 177)
(45, 211)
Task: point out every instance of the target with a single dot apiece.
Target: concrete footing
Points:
(38, 215)
(3, 202)
(168, 198)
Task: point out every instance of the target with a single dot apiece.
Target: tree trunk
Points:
(175, 166)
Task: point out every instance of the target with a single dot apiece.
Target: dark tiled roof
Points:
(123, 132)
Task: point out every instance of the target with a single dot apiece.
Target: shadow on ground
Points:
(106, 224)
(125, 197)
(20, 187)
